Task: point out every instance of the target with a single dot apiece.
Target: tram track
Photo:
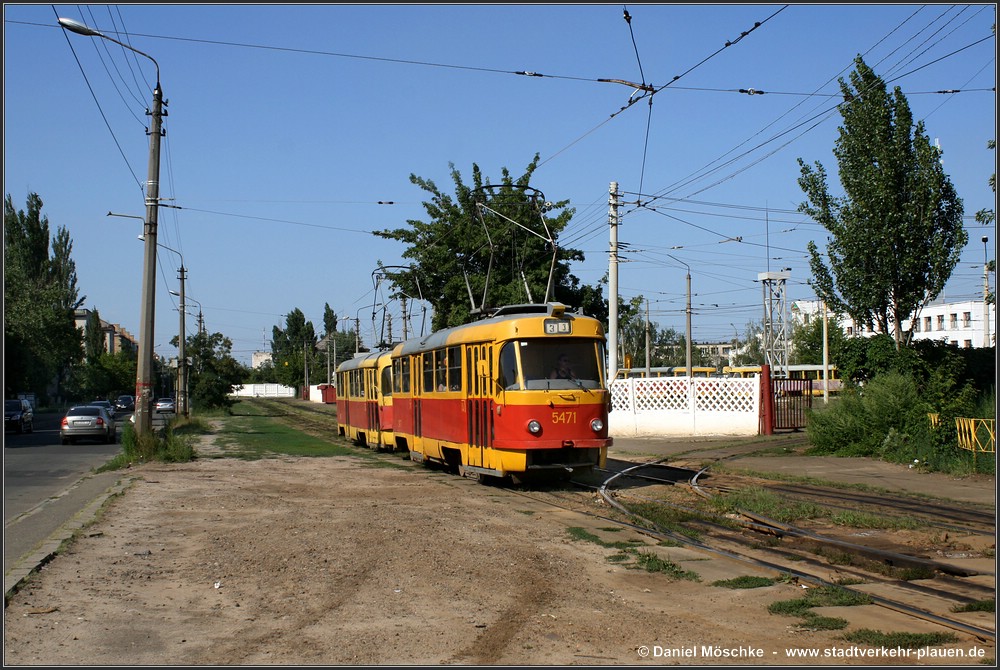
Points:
(942, 580)
(785, 564)
(613, 496)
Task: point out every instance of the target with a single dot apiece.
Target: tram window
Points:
(454, 368)
(428, 367)
(404, 375)
(387, 381)
(508, 366)
(540, 357)
(441, 371)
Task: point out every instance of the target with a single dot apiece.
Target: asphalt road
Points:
(49, 491)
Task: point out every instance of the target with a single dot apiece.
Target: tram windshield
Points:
(552, 364)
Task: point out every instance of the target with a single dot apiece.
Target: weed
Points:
(989, 605)
(823, 596)
(650, 562)
(745, 582)
(758, 500)
(875, 638)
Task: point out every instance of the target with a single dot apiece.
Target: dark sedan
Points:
(18, 416)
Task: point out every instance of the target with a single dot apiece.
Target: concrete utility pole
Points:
(687, 327)
(403, 301)
(687, 312)
(826, 356)
(986, 294)
(647, 337)
(182, 371)
(613, 284)
(144, 367)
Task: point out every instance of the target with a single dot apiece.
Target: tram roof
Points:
(505, 318)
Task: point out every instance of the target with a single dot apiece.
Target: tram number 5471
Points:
(563, 417)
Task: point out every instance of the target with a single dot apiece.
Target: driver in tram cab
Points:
(563, 369)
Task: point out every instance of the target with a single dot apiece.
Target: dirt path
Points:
(298, 561)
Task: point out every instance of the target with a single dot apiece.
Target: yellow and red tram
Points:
(489, 398)
(364, 400)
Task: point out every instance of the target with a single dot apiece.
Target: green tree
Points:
(493, 233)
(214, 373)
(41, 341)
(329, 319)
(93, 338)
(986, 217)
(896, 234)
(291, 346)
(751, 349)
(807, 340)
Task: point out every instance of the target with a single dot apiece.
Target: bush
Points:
(880, 419)
(170, 447)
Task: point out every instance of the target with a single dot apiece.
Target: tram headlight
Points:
(597, 425)
(534, 427)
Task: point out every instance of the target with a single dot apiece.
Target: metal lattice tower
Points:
(775, 330)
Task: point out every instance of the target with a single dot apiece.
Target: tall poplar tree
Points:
(41, 341)
(291, 346)
(896, 233)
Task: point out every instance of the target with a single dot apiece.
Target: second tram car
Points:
(364, 400)
(522, 393)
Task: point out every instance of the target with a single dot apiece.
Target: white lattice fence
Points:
(726, 395)
(684, 406)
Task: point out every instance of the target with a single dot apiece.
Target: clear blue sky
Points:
(288, 124)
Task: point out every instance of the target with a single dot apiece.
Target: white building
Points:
(957, 323)
(260, 358)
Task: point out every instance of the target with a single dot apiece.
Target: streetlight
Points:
(183, 396)
(182, 374)
(201, 320)
(687, 311)
(144, 368)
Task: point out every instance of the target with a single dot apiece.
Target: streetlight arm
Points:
(82, 29)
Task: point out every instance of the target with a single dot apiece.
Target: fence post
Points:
(767, 401)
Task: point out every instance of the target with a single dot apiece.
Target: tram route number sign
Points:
(558, 327)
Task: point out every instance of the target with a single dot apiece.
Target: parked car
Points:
(106, 404)
(165, 405)
(125, 403)
(18, 416)
(88, 422)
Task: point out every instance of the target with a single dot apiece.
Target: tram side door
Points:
(416, 383)
(479, 411)
(371, 403)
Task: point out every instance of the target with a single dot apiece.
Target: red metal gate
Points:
(790, 398)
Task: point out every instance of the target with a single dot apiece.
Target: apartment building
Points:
(116, 338)
(958, 323)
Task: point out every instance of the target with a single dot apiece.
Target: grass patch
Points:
(254, 435)
(823, 596)
(745, 582)
(988, 605)
(629, 556)
(871, 521)
(663, 518)
(168, 446)
(760, 501)
(876, 638)
(650, 562)
(583, 534)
